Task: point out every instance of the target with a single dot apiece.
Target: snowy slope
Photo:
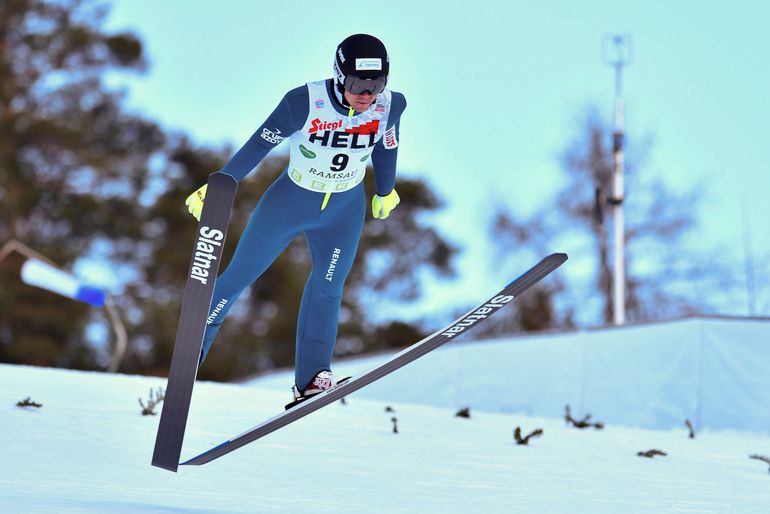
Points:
(88, 449)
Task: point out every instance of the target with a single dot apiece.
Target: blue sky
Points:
(494, 91)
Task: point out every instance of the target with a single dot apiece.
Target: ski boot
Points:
(323, 381)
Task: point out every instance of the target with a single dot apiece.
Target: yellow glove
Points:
(382, 205)
(194, 202)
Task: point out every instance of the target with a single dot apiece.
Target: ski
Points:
(417, 350)
(196, 302)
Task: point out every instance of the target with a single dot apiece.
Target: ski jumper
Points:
(321, 195)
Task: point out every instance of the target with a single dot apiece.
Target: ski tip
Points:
(544, 267)
(554, 260)
(558, 256)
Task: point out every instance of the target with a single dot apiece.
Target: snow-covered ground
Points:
(88, 449)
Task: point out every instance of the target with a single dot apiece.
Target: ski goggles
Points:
(358, 86)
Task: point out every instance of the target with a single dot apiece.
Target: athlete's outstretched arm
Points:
(286, 119)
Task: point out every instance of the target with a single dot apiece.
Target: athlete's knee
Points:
(330, 281)
(327, 292)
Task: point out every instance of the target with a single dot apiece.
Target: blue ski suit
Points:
(320, 195)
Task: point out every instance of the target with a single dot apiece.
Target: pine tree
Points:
(72, 165)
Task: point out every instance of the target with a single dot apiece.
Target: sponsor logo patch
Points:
(317, 125)
(368, 64)
(272, 137)
(390, 138)
(307, 153)
(213, 316)
(319, 104)
(333, 264)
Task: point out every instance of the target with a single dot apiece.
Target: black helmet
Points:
(361, 64)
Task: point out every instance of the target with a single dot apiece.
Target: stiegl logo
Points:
(317, 124)
(468, 321)
(208, 239)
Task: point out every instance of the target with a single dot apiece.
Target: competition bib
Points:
(330, 152)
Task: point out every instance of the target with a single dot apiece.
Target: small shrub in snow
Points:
(525, 440)
(582, 423)
(155, 398)
(652, 453)
(763, 458)
(27, 402)
(692, 430)
(464, 413)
